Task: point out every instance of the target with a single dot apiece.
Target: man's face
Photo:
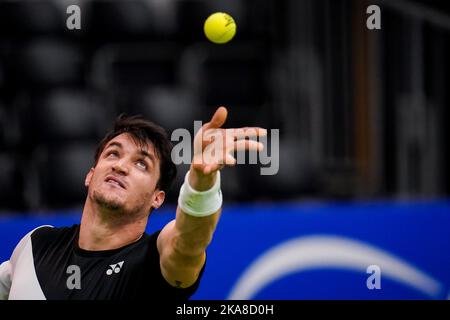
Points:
(125, 177)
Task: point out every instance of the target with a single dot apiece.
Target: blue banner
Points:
(309, 251)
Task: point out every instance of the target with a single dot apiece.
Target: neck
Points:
(101, 230)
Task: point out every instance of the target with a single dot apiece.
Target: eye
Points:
(112, 153)
(141, 164)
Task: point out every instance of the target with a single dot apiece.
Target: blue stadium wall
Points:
(309, 251)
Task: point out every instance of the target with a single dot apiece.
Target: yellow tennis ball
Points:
(220, 27)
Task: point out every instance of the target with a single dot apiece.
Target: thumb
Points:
(218, 119)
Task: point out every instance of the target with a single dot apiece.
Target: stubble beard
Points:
(115, 207)
(105, 202)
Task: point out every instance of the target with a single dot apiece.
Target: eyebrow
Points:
(141, 152)
(148, 155)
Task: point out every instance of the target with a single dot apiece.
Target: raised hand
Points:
(214, 146)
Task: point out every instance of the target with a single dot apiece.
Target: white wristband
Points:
(200, 203)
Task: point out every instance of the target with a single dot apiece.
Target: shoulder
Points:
(49, 233)
(51, 238)
(25, 241)
(42, 236)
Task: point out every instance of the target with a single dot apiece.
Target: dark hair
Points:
(142, 131)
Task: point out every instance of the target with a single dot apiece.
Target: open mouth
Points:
(114, 181)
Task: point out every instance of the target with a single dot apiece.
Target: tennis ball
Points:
(220, 28)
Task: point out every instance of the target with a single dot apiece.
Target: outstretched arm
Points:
(182, 242)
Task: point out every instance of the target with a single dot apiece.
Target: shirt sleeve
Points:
(165, 290)
(5, 280)
(7, 268)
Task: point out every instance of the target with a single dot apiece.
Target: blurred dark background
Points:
(362, 113)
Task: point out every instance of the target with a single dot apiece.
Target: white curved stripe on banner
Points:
(314, 252)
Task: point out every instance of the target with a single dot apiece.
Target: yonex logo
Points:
(114, 268)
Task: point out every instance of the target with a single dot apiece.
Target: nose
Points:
(120, 168)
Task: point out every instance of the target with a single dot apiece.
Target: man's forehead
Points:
(125, 140)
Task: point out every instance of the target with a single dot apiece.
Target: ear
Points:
(158, 199)
(87, 181)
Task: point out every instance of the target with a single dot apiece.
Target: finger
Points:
(248, 132)
(245, 144)
(218, 119)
